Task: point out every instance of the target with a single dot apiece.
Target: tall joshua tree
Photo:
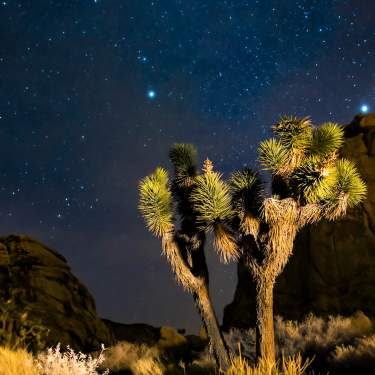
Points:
(309, 182)
(183, 247)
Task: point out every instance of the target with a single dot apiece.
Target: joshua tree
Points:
(183, 248)
(309, 182)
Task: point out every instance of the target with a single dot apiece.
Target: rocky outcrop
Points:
(163, 337)
(41, 280)
(332, 270)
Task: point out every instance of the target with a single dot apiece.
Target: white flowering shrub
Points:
(53, 362)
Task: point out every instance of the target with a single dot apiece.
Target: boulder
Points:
(136, 333)
(42, 281)
(332, 270)
(163, 337)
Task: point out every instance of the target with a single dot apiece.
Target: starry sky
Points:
(93, 92)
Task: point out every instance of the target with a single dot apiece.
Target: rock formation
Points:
(332, 270)
(51, 293)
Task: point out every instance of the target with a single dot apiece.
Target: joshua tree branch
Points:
(179, 266)
(310, 213)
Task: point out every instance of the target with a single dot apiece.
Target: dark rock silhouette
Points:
(332, 270)
(42, 281)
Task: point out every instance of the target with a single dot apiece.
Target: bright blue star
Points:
(364, 108)
(151, 94)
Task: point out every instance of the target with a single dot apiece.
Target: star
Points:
(364, 108)
(151, 94)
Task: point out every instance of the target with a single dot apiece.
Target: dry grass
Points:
(343, 345)
(17, 362)
(340, 345)
(287, 366)
(140, 359)
(49, 362)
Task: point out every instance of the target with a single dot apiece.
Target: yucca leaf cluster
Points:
(307, 160)
(155, 202)
(202, 201)
(184, 159)
(211, 199)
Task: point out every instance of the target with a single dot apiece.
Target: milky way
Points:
(92, 94)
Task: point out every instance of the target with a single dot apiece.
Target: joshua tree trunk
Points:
(265, 331)
(198, 285)
(211, 324)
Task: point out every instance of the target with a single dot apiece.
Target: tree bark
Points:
(265, 330)
(211, 324)
(194, 278)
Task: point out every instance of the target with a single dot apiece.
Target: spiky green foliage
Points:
(313, 183)
(183, 155)
(184, 159)
(349, 182)
(327, 138)
(272, 154)
(211, 199)
(155, 202)
(293, 132)
(330, 184)
(161, 175)
(245, 181)
(246, 189)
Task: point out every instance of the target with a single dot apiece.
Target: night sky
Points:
(93, 93)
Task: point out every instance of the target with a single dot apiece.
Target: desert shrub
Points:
(17, 330)
(317, 334)
(201, 366)
(356, 358)
(53, 362)
(140, 359)
(364, 348)
(240, 341)
(286, 366)
(17, 362)
(313, 334)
